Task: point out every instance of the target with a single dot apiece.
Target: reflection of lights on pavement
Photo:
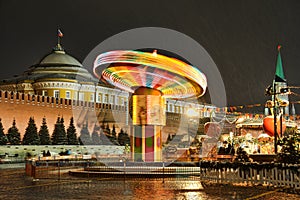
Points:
(194, 196)
(191, 185)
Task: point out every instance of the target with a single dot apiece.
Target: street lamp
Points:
(271, 91)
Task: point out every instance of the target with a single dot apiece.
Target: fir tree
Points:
(113, 137)
(107, 130)
(13, 134)
(95, 136)
(168, 139)
(123, 138)
(103, 138)
(290, 152)
(102, 126)
(127, 138)
(71, 133)
(3, 138)
(62, 121)
(31, 135)
(113, 132)
(44, 133)
(85, 138)
(59, 136)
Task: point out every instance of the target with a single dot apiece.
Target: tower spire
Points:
(280, 82)
(279, 74)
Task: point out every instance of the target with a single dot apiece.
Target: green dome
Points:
(59, 57)
(56, 65)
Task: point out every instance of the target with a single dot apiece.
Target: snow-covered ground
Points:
(20, 151)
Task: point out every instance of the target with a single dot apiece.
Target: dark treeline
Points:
(62, 136)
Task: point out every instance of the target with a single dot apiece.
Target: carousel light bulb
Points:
(154, 53)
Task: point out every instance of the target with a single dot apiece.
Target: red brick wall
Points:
(23, 106)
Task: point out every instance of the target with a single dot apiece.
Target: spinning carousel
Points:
(151, 78)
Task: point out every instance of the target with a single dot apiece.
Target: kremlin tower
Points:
(280, 84)
(280, 88)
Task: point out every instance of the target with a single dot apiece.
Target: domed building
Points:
(58, 85)
(60, 75)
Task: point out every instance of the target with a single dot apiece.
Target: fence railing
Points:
(267, 174)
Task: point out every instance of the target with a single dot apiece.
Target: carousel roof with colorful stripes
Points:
(129, 70)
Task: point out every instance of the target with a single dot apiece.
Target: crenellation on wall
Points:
(21, 106)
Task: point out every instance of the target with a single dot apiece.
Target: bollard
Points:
(33, 169)
(58, 163)
(163, 172)
(124, 162)
(88, 169)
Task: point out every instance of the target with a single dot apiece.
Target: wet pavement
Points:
(15, 185)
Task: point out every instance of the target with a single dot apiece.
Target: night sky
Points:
(240, 36)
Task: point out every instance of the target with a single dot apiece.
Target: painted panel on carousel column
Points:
(149, 143)
(158, 143)
(138, 143)
(148, 109)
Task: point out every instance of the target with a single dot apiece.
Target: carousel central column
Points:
(148, 116)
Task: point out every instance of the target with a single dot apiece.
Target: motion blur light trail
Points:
(130, 70)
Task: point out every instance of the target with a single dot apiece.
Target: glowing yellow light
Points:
(154, 53)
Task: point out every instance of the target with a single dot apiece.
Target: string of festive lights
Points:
(234, 108)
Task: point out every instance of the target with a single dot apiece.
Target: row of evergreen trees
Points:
(100, 136)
